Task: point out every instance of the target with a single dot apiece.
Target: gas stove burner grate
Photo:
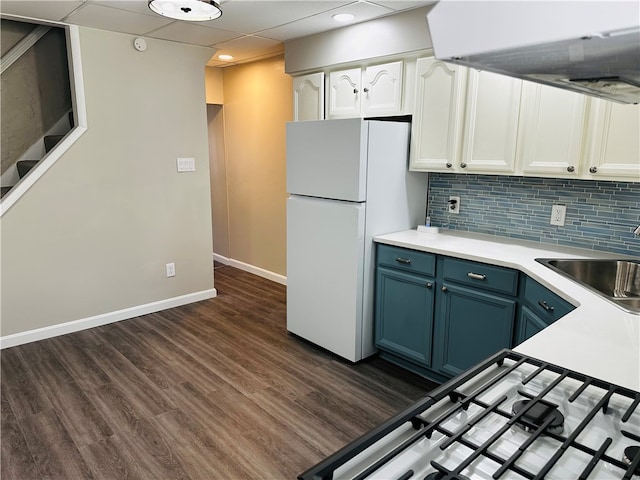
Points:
(445, 476)
(462, 422)
(632, 454)
(539, 414)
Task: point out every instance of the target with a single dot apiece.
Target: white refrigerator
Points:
(348, 181)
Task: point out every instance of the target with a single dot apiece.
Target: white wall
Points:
(258, 100)
(93, 235)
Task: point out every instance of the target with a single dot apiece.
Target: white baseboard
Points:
(221, 259)
(275, 277)
(103, 319)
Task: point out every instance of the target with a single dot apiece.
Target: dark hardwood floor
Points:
(215, 389)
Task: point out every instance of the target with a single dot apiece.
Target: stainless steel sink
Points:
(616, 280)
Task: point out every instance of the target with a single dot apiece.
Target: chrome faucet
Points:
(636, 232)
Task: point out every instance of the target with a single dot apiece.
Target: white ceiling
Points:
(247, 29)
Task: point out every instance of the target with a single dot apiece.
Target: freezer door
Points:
(325, 254)
(328, 159)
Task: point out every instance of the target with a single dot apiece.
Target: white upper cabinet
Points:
(308, 97)
(491, 123)
(467, 121)
(438, 115)
(613, 151)
(373, 91)
(382, 89)
(345, 93)
(551, 131)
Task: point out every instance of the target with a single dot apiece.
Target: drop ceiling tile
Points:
(398, 5)
(249, 47)
(190, 32)
(115, 20)
(324, 21)
(135, 6)
(44, 10)
(248, 16)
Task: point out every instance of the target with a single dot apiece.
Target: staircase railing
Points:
(22, 46)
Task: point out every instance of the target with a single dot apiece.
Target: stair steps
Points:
(25, 166)
(51, 141)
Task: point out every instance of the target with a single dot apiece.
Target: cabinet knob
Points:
(444, 289)
(545, 305)
(355, 91)
(593, 169)
(429, 285)
(463, 165)
(366, 90)
(571, 169)
(449, 165)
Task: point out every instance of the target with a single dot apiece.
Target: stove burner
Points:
(630, 454)
(445, 476)
(537, 415)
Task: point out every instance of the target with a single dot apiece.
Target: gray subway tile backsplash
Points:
(600, 215)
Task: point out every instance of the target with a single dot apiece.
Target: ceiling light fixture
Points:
(224, 56)
(189, 10)
(343, 17)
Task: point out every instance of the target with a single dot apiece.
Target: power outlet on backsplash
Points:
(604, 214)
(558, 213)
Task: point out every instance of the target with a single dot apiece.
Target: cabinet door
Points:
(614, 133)
(437, 119)
(308, 97)
(472, 325)
(404, 314)
(528, 325)
(550, 132)
(491, 123)
(344, 93)
(382, 89)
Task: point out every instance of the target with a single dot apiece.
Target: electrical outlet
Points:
(454, 204)
(558, 212)
(171, 269)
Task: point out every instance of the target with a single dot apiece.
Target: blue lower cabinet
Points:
(472, 325)
(540, 307)
(404, 314)
(528, 324)
(476, 310)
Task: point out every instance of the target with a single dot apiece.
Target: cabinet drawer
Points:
(546, 304)
(406, 259)
(481, 275)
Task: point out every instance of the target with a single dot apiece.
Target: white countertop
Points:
(597, 338)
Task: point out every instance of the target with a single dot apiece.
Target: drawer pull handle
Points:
(444, 289)
(545, 305)
(429, 285)
(476, 276)
(406, 261)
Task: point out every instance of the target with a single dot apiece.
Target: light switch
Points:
(186, 164)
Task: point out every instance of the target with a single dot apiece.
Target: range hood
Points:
(591, 47)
